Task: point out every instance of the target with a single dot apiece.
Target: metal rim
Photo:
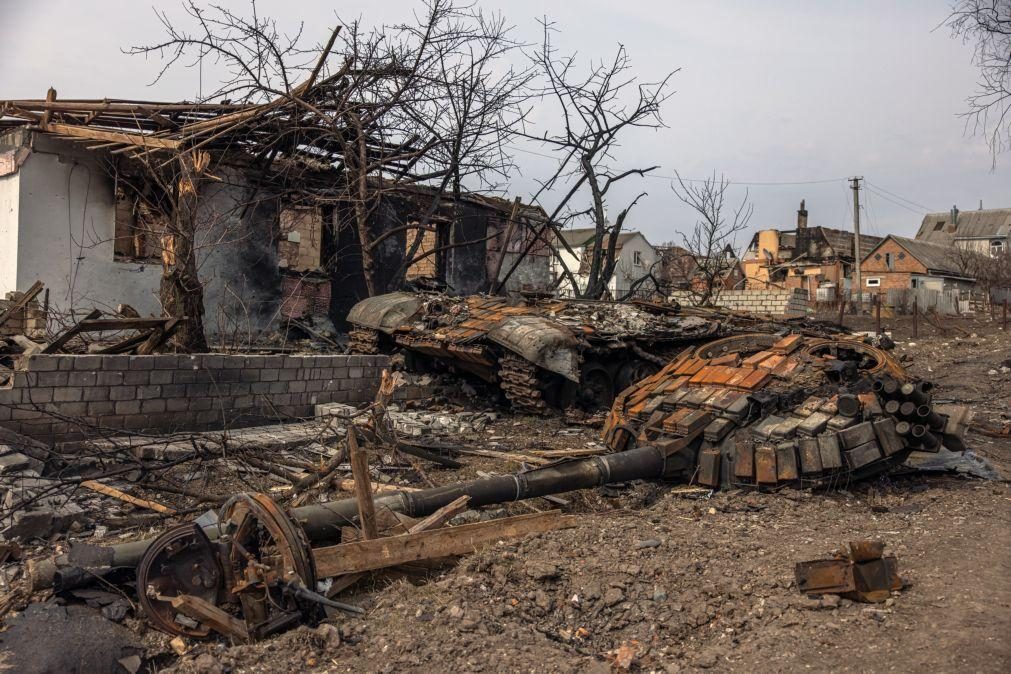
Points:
(180, 561)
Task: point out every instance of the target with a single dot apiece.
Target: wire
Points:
(908, 201)
(897, 203)
(657, 176)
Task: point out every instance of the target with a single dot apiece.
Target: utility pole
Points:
(855, 184)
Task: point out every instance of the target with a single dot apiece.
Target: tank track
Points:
(363, 341)
(521, 384)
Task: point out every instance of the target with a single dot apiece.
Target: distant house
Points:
(986, 231)
(898, 263)
(805, 257)
(635, 257)
(682, 271)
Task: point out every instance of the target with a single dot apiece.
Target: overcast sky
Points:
(771, 91)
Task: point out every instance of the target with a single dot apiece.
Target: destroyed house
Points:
(273, 236)
(466, 245)
(65, 221)
(986, 231)
(806, 257)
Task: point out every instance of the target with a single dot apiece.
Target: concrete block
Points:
(137, 377)
(127, 407)
(162, 376)
(53, 379)
(94, 393)
(34, 395)
(173, 391)
(106, 378)
(142, 362)
(122, 393)
(42, 363)
(165, 361)
(87, 363)
(148, 392)
(101, 408)
(269, 374)
(74, 409)
(153, 406)
(89, 378)
(115, 362)
(177, 405)
(68, 394)
(275, 362)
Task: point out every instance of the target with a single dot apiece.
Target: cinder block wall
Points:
(65, 397)
(789, 303)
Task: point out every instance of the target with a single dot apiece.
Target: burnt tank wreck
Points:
(544, 353)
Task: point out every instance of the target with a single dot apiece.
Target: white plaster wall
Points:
(626, 272)
(9, 188)
(571, 263)
(66, 227)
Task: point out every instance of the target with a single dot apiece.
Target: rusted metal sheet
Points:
(863, 573)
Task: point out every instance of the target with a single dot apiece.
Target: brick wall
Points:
(60, 396)
(787, 303)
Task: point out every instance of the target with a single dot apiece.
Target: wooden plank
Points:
(127, 498)
(433, 521)
(159, 336)
(22, 302)
(210, 615)
(442, 515)
(136, 139)
(363, 488)
(390, 551)
(68, 334)
(110, 324)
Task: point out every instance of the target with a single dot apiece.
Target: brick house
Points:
(898, 263)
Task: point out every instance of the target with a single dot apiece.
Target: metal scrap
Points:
(862, 573)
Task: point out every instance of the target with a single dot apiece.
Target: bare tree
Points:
(710, 243)
(595, 108)
(987, 24)
(425, 104)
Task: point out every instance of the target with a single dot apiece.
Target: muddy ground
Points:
(657, 578)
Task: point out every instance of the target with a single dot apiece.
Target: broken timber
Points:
(380, 553)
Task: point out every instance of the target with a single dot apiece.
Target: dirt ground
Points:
(660, 578)
(656, 580)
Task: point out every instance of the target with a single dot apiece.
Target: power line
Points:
(901, 198)
(897, 203)
(657, 176)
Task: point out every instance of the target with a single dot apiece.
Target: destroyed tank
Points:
(765, 411)
(542, 353)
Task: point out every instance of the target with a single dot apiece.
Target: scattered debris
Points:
(862, 573)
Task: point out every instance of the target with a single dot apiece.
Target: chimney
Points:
(802, 216)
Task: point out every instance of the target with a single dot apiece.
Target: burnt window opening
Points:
(300, 245)
(139, 230)
(889, 261)
(939, 226)
(429, 261)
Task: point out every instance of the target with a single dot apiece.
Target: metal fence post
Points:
(916, 316)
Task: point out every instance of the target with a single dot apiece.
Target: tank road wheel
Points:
(596, 390)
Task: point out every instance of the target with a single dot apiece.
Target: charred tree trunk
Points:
(181, 292)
